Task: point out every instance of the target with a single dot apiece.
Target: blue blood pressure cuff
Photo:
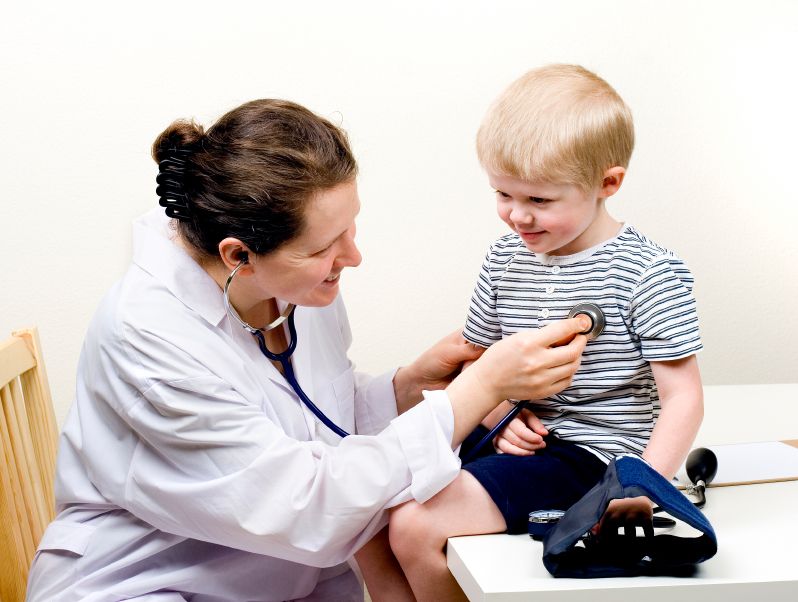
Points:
(568, 552)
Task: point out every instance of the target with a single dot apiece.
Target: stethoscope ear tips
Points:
(597, 320)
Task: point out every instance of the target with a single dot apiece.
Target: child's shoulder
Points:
(631, 240)
(510, 240)
(504, 248)
(637, 254)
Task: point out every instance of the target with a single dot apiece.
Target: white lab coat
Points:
(189, 469)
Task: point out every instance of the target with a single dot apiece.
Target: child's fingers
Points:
(503, 446)
(519, 434)
(534, 423)
(513, 439)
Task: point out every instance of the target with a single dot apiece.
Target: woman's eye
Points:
(324, 251)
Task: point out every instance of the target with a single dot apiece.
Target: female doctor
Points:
(188, 469)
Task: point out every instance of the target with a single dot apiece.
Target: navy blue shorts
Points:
(554, 478)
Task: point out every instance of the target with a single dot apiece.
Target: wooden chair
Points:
(28, 439)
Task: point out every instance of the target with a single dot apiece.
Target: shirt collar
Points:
(156, 251)
(581, 255)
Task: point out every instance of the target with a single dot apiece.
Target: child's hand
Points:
(628, 513)
(522, 436)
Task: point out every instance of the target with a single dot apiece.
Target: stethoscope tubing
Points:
(495, 430)
(284, 358)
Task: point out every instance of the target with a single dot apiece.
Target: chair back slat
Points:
(14, 493)
(39, 405)
(28, 439)
(28, 472)
(13, 557)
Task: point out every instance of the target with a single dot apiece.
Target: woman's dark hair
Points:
(250, 175)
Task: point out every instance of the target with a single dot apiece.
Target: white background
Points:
(86, 87)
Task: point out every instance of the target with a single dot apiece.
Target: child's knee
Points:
(409, 529)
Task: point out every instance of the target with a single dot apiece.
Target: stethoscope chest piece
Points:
(597, 320)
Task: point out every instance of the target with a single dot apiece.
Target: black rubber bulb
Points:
(701, 465)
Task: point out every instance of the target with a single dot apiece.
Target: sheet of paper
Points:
(752, 462)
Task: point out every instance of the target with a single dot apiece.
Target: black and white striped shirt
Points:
(645, 292)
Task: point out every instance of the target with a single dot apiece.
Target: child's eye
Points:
(504, 195)
(538, 201)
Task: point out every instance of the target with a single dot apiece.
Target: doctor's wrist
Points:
(472, 399)
(407, 388)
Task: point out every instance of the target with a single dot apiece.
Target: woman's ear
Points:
(232, 252)
(612, 180)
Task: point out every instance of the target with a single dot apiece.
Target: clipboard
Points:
(753, 463)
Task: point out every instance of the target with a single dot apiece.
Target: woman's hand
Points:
(522, 436)
(434, 369)
(530, 364)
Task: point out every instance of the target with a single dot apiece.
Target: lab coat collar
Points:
(156, 252)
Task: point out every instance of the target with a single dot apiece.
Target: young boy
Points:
(556, 145)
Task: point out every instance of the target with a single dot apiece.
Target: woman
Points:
(188, 469)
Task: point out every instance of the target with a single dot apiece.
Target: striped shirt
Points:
(645, 292)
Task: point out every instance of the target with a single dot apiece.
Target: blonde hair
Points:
(561, 124)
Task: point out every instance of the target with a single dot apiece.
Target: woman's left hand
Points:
(434, 369)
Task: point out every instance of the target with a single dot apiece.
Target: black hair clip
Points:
(171, 188)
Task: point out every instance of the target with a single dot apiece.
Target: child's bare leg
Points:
(381, 571)
(418, 534)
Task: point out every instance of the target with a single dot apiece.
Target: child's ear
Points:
(612, 180)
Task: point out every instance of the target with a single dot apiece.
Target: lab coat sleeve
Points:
(211, 466)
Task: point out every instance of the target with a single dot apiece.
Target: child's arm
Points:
(681, 399)
(682, 409)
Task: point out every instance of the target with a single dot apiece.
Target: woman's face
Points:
(306, 270)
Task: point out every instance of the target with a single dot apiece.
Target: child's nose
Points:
(520, 215)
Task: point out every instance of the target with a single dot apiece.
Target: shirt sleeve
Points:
(482, 323)
(210, 465)
(663, 312)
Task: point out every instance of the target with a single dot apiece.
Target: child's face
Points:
(555, 219)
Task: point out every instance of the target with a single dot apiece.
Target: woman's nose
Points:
(350, 255)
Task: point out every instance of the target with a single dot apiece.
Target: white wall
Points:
(86, 87)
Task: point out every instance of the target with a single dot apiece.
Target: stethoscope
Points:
(597, 323)
(284, 357)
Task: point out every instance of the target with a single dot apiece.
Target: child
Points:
(556, 145)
